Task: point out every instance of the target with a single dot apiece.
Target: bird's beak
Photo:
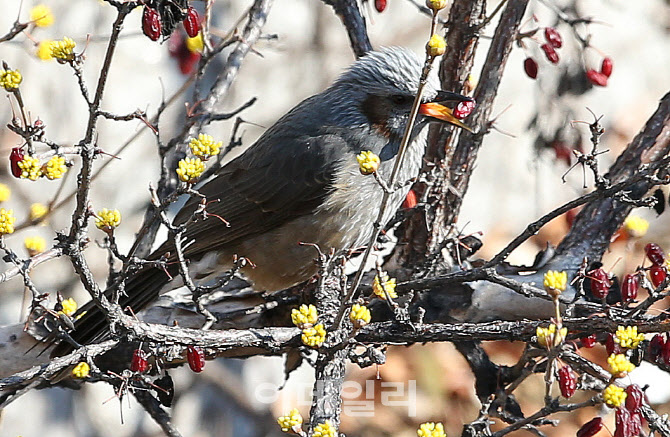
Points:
(441, 112)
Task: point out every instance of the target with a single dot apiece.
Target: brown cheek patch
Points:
(376, 110)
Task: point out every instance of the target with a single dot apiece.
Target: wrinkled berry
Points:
(596, 77)
(463, 109)
(380, 5)
(588, 342)
(611, 346)
(530, 67)
(590, 428)
(139, 362)
(657, 274)
(196, 358)
(623, 423)
(192, 22)
(553, 37)
(550, 53)
(600, 283)
(655, 254)
(14, 158)
(567, 381)
(606, 67)
(634, 398)
(629, 287)
(151, 23)
(656, 347)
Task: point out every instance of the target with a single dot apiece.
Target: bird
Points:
(300, 182)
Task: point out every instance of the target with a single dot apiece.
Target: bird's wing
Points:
(278, 179)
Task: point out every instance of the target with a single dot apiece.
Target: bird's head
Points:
(385, 83)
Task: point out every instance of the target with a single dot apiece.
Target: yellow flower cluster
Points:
(41, 15)
(290, 421)
(44, 50)
(108, 219)
(190, 169)
(37, 211)
(204, 146)
(55, 168)
(195, 44)
(69, 307)
(368, 162)
(385, 283)
(63, 50)
(554, 280)
(619, 365)
(10, 79)
(436, 46)
(305, 316)
(324, 430)
(35, 245)
(5, 193)
(31, 168)
(359, 315)
(7, 220)
(314, 336)
(628, 337)
(548, 337)
(81, 370)
(431, 429)
(614, 396)
(636, 226)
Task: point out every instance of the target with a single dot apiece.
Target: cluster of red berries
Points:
(194, 355)
(599, 78)
(153, 28)
(553, 41)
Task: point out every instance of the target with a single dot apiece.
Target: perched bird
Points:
(300, 182)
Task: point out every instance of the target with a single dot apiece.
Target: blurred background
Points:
(518, 178)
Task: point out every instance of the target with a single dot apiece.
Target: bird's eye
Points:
(400, 99)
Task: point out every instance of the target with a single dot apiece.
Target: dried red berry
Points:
(550, 53)
(634, 398)
(612, 346)
(192, 22)
(151, 23)
(657, 274)
(463, 109)
(589, 342)
(530, 67)
(410, 200)
(655, 254)
(606, 67)
(553, 37)
(600, 283)
(380, 5)
(629, 287)
(656, 347)
(196, 358)
(635, 423)
(623, 423)
(567, 381)
(14, 158)
(139, 362)
(596, 77)
(590, 428)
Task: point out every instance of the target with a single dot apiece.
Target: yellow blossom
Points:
(548, 337)
(37, 211)
(190, 169)
(81, 370)
(628, 337)
(436, 46)
(436, 5)
(30, 168)
(41, 15)
(368, 162)
(554, 280)
(431, 429)
(108, 219)
(204, 146)
(359, 315)
(324, 430)
(291, 421)
(55, 168)
(614, 396)
(386, 283)
(305, 316)
(636, 226)
(7, 220)
(10, 79)
(69, 307)
(35, 244)
(44, 50)
(315, 336)
(5, 192)
(619, 365)
(64, 49)
(195, 44)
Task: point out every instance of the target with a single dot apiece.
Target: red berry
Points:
(622, 420)
(596, 78)
(192, 22)
(530, 67)
(410, 200)
(656, 347)
(567, 381)
(14, 158)
(550, 53)
(553, 37)
(196, 358)
(665, 352)
(590, 428)
(380, 5)
(634, 398)
(612, 346)
(463, 109)
(657, 274)
(606, 67)
(629, 287)
(139, 362)
(151, 23)
(600, 283)
(655, 254)
(635, 423)
(589, 342)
